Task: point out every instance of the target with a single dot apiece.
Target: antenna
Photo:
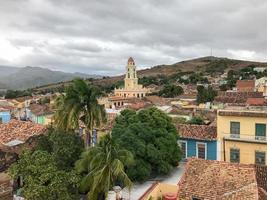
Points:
(211, 52)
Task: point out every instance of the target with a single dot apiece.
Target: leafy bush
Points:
(171, 91)
(152, 138)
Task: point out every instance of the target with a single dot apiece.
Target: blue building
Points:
(198, 141)
(5, 115)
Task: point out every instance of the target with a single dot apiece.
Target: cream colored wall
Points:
(247, 151)
(131, 83)
(48, 119)
(160, 190)
(247, 124)
(131, 93)
(247, 127)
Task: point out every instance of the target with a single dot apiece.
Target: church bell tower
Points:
(131, 80)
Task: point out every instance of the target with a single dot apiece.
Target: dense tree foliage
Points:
(205, 94)
(196, 120)
(152, 138)
(79, 103)
(42, 179)
(102, 168)
(217, 66)
(48, 172)
(65, 148)
(171, 91)
(10, 94)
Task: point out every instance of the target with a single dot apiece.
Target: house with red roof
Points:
(5, 114)
(198, 141)
(245, 85)
(210, 179)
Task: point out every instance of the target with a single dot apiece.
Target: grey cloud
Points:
(98, 36)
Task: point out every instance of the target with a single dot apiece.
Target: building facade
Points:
(261, 85)
(5, 116)
(198, 141)
(131, 86)
(242, 136)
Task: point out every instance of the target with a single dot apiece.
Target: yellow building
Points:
(242, 136)
(131, 86)
(261, 85)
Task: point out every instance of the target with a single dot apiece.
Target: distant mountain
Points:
(209, 64)
(29, 77)
(7, 70)
(206, 65)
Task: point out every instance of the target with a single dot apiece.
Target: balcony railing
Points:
(249, 138)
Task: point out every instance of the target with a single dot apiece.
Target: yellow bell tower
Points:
(131, 87)
(131, 80)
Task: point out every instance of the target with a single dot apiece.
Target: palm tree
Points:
(103, 166)
(79, 104)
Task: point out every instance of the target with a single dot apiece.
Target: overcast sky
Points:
(98, 36)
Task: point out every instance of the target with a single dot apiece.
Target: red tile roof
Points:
(38, 109)
(206, 179)
(19, 130)
(256, 102)
(243, 113)
(200, 132)
(130, 60)
(6, 108)
(245, 85)
(156, 100)
(236, 97)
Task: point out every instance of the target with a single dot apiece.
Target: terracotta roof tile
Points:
(156, 100)
(245, 85)
(200, 132)
(236, 97)
(242, 113)
(256, 101)
(130, 60)
(208, 179)
(19, 130)
(38, 109)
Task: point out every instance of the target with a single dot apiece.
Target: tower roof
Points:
(130, 60)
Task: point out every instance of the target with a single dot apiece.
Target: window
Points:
(260, 158)
(196, 198)
(201, 150)
(235, 129)
(234, 155)
(260, 131)
(183, 146)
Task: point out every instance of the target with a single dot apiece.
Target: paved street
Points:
(173, 178)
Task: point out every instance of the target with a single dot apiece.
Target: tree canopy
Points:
(102, 167)
(66, 148)
(171, 91)
(79, 103)
(152, 138)
(42, 179)
(205, 94)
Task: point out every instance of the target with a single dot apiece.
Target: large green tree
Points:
(205, 94)
(42, 179)
(171, 91)
(102, 167)
(66, 148)
(79, 104)
(152, 138)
